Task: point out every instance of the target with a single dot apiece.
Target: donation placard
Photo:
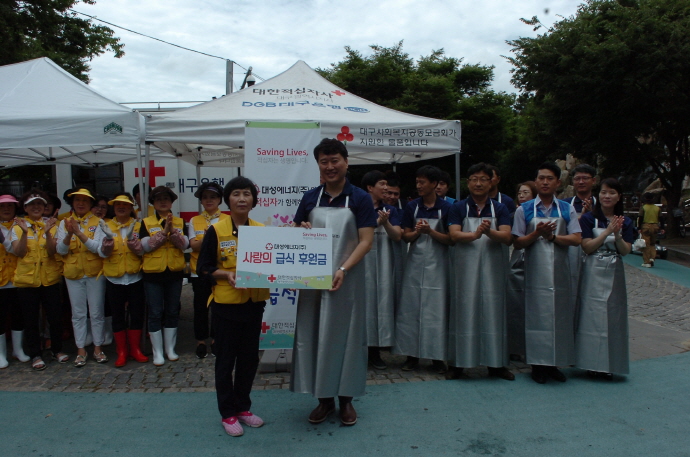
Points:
(288, 258)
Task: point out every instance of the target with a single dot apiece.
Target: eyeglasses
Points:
(582, 178)
(475, 180)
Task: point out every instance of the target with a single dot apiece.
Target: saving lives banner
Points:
(279, 158)
(284, 257)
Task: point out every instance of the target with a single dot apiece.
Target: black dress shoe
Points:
(410, 364)
(538, 374)
(321, 412)
(348, 415)
(375, 359)
(454, 372)
(555, 374)
(201, 351)
(501, 372)
(438, 366)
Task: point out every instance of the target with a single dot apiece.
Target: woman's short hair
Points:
(240, 182)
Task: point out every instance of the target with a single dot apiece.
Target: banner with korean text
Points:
(284, 257)
(279, 158)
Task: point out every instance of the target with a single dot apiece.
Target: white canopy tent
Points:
(48, 116)
(213, 132)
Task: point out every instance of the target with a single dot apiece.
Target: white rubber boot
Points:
(157, 347)
(170, 335)
(108, 331)
(3, 351)
(17, 346)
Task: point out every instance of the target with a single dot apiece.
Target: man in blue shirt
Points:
(330, 356)
(584, 179)
(421, 320)
(443, 187)
(480, 228)
(498, 196)
(545, 227)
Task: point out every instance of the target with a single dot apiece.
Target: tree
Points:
(435, 86)
(610, 85)
(48, 28)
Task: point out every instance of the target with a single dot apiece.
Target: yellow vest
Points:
(200, 226)
(63, 216)
(8, 263)
(122, 260)
(166, 256)
(79, 261)
(36, 268)
(223, 292)
(651, 214)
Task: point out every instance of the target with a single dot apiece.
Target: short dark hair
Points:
(494, 170)
(392, 179)
(584, 168)
(330, 146)
(371, 178)
(480, 167)
(615, 185)
(430, 172)
(66, 197)
(240, 182)
(532, 187)
(135, 189)
(98, 197)
(55, 200)
(209, 185)
(445, 177)
(551, 166)
(34, 192)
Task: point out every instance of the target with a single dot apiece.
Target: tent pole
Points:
(145, 189)
(198, 182)
(457, 175)
(141, 175)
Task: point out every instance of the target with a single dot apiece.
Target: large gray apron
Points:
(379, 288)
(601, 342)
(515, 303)
(549, 327)
(330, 350)
(577, 257)
(421, 320)
(477, 323)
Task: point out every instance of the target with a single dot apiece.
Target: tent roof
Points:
(48, 115)
(378, 134)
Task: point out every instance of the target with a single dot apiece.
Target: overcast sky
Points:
(272, 35)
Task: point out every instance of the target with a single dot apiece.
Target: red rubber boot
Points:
(134, 337)
(121, 347)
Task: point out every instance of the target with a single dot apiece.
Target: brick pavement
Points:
(651, 299)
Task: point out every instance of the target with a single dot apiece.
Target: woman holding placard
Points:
(236, 314)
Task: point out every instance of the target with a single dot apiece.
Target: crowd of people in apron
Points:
(433, 279)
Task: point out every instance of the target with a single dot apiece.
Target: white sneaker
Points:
(647, 265)
(249, 419)
(232, 426)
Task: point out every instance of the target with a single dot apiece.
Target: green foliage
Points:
(436, 86)
(610, 84)
(47, 28)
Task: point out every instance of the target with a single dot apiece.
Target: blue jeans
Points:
(163, 300)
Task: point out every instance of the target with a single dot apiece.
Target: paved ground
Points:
(659, 312)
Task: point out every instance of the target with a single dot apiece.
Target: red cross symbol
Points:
(338, 92)
(264, 327)
(155, 172)
(271, 278)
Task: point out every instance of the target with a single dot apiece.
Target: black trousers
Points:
(202, 290)
(9, 307)
(131, 295)
(31, 299)
(237, 331)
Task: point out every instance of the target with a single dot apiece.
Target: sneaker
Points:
(249, 419)
(232, 426)
(201, 351)
(647, 265)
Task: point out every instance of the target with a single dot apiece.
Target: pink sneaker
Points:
(250, 419)
(232, 426)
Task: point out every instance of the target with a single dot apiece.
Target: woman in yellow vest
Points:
(37, 276)
(82, 265)
(121, 250)
(236, 314)
(164, 241)
(211, 195)
(9, 305)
